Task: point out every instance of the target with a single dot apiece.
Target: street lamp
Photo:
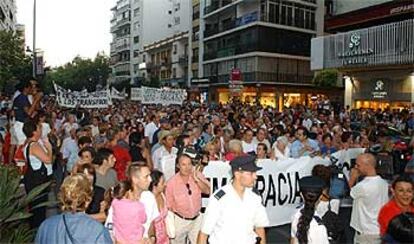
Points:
(34, 38)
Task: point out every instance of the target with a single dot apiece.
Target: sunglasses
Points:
(188, 188)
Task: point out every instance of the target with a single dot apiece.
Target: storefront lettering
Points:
(402, 9)
(379, 90)
(355, 54)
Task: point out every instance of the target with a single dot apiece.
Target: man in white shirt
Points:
(150, 128)
(167, 149)
(369, 196)
(261, 135)
(248, 145)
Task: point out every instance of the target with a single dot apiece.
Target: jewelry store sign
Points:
(379, 90)
(354, 53)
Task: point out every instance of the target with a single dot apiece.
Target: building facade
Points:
(137, 23)
(376, 61)
(8, 19)
(267, 41)
(167, 61)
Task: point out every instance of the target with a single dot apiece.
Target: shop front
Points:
(277, 96)
(377, 64)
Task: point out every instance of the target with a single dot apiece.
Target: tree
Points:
(154, 81)
(80, 73)
(326, 78)
(15, 65)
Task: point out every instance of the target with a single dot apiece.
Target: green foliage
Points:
(15, 65)
(14, 206)
(80, 73)
(326, 78)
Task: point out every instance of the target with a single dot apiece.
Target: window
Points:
(174, 73)
(186, 49)
(176, 20)
(175, 49)
(136, 39)
(177, 7)
(143, 58)
(196, 11)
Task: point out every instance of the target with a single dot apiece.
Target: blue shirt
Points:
(19, 103)
(298, 145)
(80, 226)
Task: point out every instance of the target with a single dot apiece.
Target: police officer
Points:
(235, 213)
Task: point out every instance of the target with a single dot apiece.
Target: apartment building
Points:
(138, 23)
(8, 19)
(266, 41)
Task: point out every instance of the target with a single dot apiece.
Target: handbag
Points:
(170, 224)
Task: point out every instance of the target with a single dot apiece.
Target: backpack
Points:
(333, 224)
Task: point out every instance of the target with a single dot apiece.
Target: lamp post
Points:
(34, 38)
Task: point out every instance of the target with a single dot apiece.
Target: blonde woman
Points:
(73, 225)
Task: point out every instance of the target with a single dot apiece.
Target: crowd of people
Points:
(108, 166)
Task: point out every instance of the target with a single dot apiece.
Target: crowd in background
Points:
(108, 163)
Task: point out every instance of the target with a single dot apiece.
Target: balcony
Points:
(257, 77)
(183, 60)
(123, 47)
(230, 51)
(216, 5)
(231, 24)
(114, 28)
(123, 22)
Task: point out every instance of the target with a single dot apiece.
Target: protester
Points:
(369, 195)
(303, 146)
(129, 215)
(38, 155)
(402, 202)
(401, 229)
(73, 225)
(306, 225)
(159, 228)
(183, 193)
(106, 176)
(235, 213)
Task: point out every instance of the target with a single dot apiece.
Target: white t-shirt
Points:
(369, 196)
(317, 233)
(149, 131)
(249, 147)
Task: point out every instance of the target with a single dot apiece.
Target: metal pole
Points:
(34, 38)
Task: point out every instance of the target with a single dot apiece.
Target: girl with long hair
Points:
(306, 224)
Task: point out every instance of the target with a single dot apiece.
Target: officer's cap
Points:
(311, 183)
(244, 163)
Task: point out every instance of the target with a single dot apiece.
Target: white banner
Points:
(278, 182)
(115, 94)
(83, 99)
(136, 94)
(148, 95)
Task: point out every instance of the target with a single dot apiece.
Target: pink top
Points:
(180, 200)
(128, 220)
(160, 227)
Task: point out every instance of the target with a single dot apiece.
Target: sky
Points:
(67, 28)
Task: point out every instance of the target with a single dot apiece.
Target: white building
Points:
(8, 15)
(137, 23)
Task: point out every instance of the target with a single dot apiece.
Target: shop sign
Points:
(355, 54)
(402, 9)
(379, 90)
